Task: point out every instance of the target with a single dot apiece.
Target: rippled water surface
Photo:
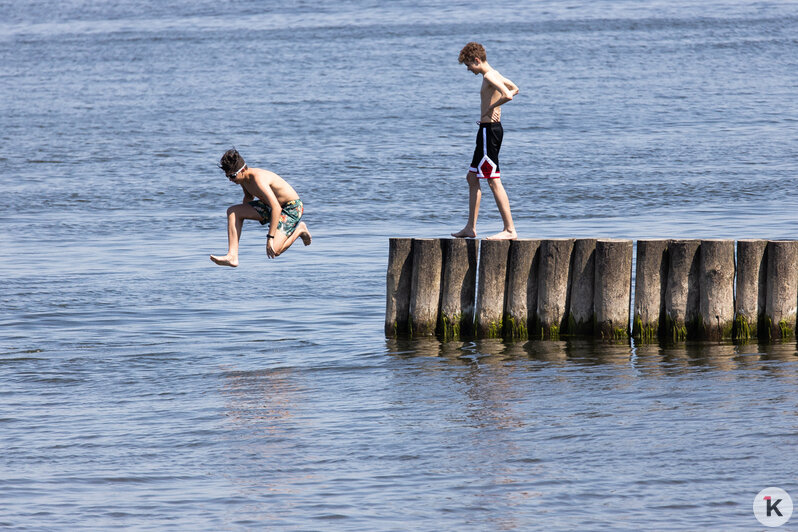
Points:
(144, 387)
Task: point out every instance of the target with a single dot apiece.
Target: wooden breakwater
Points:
(527, 288)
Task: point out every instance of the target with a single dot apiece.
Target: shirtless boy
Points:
(268, 199)
(496, 91)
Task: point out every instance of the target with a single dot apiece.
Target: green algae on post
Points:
(612, 295)
(751, 288)
(425, 288)
(458, 288)
(782, 288)
(553, 276)
(522, 288)
(397, 285)
(651, 279)
(493, 257)
(716, 306)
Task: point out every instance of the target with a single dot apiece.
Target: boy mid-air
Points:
(268, 199)
(496, 90)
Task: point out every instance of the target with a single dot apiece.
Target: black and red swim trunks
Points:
(485, 162)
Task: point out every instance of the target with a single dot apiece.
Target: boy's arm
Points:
(512, 86)
(497, 81)
(247, 196)
(265, 193)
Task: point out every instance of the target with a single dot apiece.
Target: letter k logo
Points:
(772, 506)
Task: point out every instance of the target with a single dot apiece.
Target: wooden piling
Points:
(399, 277)
(553, 275)
(613, 288)
(583, 272)
(459, 287)
(716, 282)
(651, 279)
(425, 290)
(782, 288)
(682, 294)
(493, 255)
(751, 288)
(522, 288)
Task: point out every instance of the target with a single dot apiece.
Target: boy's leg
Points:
(236, 215)
(474, 198)
(282, 242)
(503, 203)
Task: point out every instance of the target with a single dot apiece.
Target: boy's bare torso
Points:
(263, 181)
(490, 94)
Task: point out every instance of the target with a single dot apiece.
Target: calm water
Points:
(144, 387)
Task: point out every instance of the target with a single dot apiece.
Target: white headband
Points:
(239, 170)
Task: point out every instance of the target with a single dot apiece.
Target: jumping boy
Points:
(268, 199)
(496, 91)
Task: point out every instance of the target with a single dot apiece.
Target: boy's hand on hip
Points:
(270, 249)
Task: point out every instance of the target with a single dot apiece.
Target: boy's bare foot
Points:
(504, 235)
(465, 233)
(305, 235)
(225, 261)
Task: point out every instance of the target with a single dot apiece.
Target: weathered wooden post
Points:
(522, 288)
(459, 287)
(493, 255)
(651, 279)
(782, 288)
(716, 282)
(582, 287)
(613, 288)
(682, 294)
(751, 288)
(425, 290)
(553, 274)
(399, 277)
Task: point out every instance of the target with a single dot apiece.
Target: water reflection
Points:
(264, 428)
(666, 358)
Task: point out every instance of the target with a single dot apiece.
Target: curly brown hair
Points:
(471, 51)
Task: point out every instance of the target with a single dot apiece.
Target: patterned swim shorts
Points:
(289, 216)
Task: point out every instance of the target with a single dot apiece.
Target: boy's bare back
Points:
(260, 180)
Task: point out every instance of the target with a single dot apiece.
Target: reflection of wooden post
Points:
(613, 287)
(716, 280)
(651, 278)
(583, 273)
(493, 256)
(751, 287)
(425, 291)
(553, 272)
(782, 288)
(682, 294)
(397, 300)
(459, 287)
(522, 288)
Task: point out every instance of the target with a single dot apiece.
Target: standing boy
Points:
(496, 90)
(268, 199)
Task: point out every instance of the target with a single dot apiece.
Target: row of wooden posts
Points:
(683, 289)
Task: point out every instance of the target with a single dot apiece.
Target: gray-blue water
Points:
(143, 387)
